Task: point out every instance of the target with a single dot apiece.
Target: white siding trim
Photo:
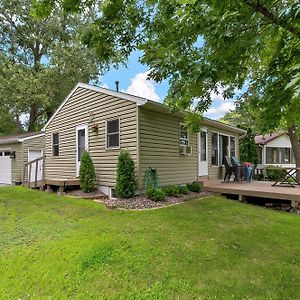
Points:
(31, 137)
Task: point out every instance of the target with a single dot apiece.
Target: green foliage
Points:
(248, 149)
(41, 60)
(194, 187)
(274, 173)
(126, 181)
(183, 189)
(171, 191)
(151, 178)
(87, 173)
(156, 194)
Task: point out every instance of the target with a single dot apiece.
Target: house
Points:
(15, 152)
(275, 149)
(103, 121)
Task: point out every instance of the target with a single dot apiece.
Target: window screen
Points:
(55, 144)
(113, 133)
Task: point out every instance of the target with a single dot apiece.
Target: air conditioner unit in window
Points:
(185, 150)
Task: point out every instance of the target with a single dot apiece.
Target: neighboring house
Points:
(275, 149)
(15, 152)
(102, 122)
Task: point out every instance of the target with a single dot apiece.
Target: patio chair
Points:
(237, 169)
(228, 169)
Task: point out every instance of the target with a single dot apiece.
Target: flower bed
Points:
(142, 202)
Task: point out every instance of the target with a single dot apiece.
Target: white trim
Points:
(11, 175)
(138, 100)
(112, 148)
(86, 144)
(31, 137)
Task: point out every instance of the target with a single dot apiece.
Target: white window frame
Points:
(106, 134)
(218, 146)
(56, 132)
(187, 133)
(228, 147)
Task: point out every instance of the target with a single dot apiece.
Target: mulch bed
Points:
(137, 202)
(142, 202)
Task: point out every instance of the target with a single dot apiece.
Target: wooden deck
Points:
(260, 189)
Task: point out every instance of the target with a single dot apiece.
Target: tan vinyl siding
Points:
(159, 148)
(217, 172)
(86, 107)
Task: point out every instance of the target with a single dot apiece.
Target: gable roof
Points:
(125, 96)
(140, 101)
(18, 138)
(266, 138)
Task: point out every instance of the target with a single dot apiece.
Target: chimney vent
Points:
(117, 85)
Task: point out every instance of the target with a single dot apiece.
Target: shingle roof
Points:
(16, 137)
(266, 138)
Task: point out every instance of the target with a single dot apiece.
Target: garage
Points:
(15, 151)
(5, 167)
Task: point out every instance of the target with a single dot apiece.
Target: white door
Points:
(5, 167)
(32, 155)
(203, 153)
(82, 141)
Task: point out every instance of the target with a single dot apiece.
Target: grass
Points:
(61, 248)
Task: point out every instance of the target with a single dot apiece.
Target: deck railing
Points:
(34, 165)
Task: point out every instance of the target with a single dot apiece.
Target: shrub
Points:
(183, 189)
(171, 191)
(87, 173)
(156, 194)
(194, 187)
(274, 173)
(126, 182)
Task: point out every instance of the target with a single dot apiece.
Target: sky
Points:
(133, 80)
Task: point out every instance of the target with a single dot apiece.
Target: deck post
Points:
(29, 175)
(60, 190)
(242, 198)
(36, 173)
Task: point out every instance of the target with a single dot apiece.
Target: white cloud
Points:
(222, 109)
(104, 85)
(142, 87)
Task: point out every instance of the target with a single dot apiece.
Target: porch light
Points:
(13, 154)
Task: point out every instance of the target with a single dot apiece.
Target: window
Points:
(113, 134)
(184, 138)
(214, 149)
(55, 144)
(6, 153)
(223, 147)
(203, 145)
(276, 155)
(232, 146)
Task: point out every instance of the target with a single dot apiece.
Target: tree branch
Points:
(258, 7)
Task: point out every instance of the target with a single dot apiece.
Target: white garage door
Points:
(32, 155)
(5, 167)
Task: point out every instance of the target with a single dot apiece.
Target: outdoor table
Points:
(290, 173)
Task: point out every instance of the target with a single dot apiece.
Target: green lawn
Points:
(57, 248)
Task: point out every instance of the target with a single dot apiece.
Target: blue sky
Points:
(133, 80)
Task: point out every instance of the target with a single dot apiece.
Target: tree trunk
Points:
(295, 147)
(32, 117)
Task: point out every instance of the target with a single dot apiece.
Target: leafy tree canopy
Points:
(41, 60)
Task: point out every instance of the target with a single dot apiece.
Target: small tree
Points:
(248, 148)
(87, 173)
(126, 181)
